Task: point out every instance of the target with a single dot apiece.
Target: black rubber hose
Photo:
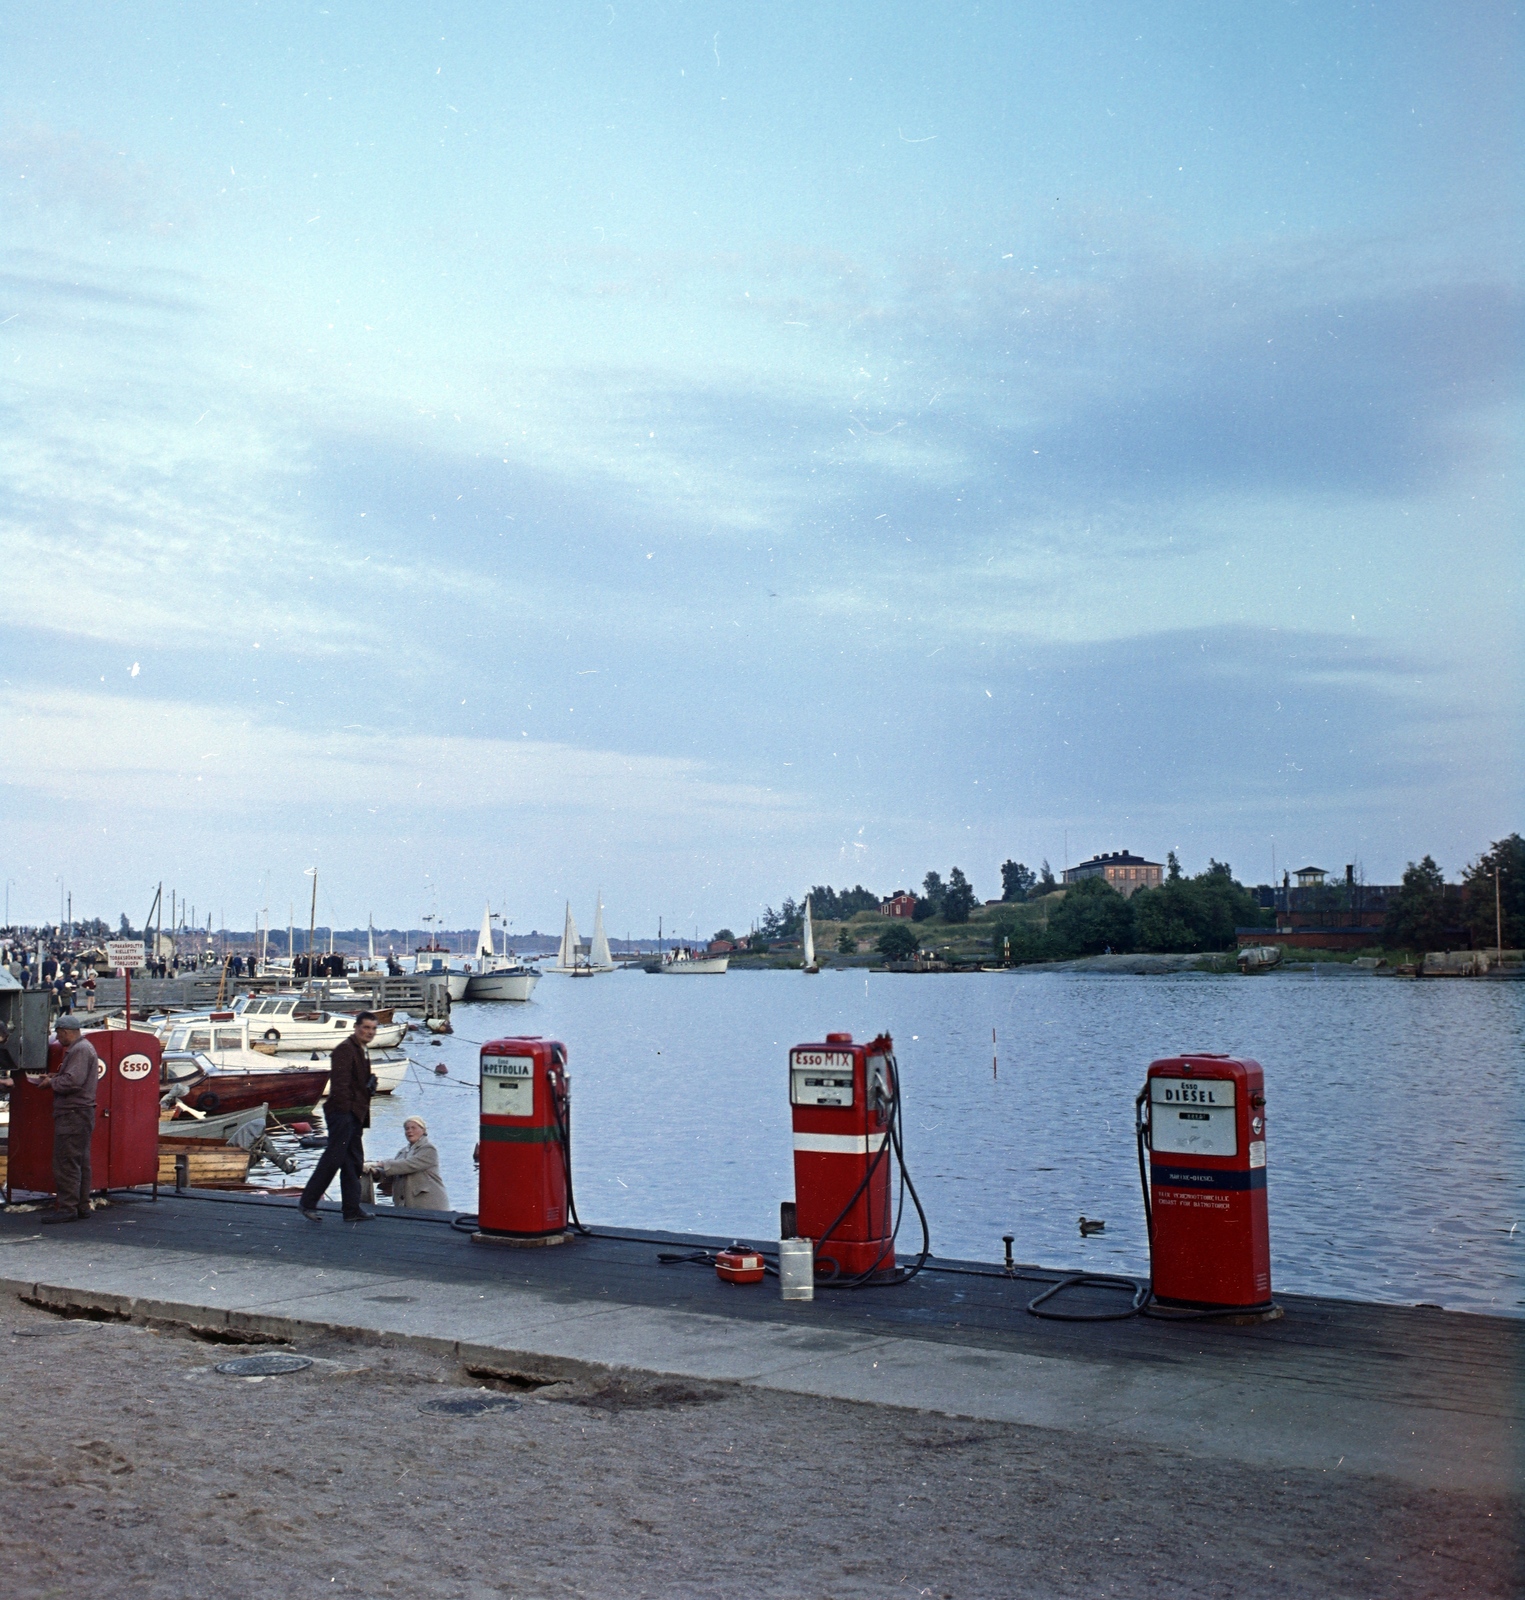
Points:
(867, 1279)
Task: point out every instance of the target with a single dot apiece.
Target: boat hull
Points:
(701, 966)
(501, 985)
(282, 1090)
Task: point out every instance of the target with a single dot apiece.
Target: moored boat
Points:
(697, 963)
(498, 977)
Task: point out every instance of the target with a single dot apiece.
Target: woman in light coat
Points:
(412, 1177)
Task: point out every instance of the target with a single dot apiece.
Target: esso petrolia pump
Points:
(845, 1099)
(525, 1187)
(124, 1148)
(1201, 1118)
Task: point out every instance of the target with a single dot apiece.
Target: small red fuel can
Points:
(526, 1141)
(1210, 1236)
(124, 1148)
(842, 1096)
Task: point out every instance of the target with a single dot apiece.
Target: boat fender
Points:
(272, 1035)
(207, 1102)
(737, 1265)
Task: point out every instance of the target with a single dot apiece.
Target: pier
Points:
(1324, 1422)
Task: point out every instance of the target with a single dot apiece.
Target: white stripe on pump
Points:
(838, 1144)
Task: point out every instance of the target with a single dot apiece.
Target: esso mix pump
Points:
(525, 1188)
(845, 1100)
(1202, 1119)
(124, 1148)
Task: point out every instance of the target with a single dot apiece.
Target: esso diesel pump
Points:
(1202, 1119)
(525, 1187)
(845, 1100)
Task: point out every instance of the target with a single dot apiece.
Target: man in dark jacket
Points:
(348, 1113)
(73, 1087)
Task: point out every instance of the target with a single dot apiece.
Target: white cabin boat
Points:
(435, 961)
(697, 963)
(498, 977)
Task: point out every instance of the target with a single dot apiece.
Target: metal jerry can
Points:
(842, 1097)
(525, 1141)
(1210, 1237)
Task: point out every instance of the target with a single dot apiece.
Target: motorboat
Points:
(498, 977)
(434, 961)
(1259, 958)
(230, 1047)
(208, 1085)
(697, 963)
(289, 1023)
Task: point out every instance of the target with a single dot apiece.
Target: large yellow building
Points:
(1124, 872)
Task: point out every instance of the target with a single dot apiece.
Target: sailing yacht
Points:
(810, 964)
(571, 960)
(498, 977)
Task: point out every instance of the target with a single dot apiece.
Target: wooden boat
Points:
(210, 1163)
(217, 1126)
(283, 1090)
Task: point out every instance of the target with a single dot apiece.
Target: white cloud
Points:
(165, 756)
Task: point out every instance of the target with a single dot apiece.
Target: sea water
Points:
(1395, 1113)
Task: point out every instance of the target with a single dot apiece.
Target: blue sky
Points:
(695, 452)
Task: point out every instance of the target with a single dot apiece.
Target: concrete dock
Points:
(476, 1421)
(1412, 1398)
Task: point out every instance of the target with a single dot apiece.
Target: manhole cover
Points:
(471, 1405)
(270, 1366)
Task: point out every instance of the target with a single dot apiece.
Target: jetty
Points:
(1413, 1393)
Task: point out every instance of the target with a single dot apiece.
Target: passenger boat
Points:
(695, 962)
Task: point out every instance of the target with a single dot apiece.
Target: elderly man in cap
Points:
(73, 1091)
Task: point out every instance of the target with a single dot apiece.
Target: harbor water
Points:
(1396, 1118)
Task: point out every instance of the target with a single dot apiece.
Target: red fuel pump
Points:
(525, 1188)
(846, 1105)
(124, 1148)
(1202, 1119)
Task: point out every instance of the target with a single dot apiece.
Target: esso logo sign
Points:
(100, 1069)
(134, 1067)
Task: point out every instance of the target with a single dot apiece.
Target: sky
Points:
(690, 452)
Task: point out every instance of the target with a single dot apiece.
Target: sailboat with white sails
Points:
(570, 958)
(498, 977)
(810, 963)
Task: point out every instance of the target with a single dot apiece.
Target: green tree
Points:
(1417, 919)
(933, 889)
(1508, 857)
(846, 944)
(958, 898)
(1172, 867)
(1020, 942)
(1016, 880)
(898, 943)
(1184, 915)
(1046, 883)
(1091, 918)
(725, 933)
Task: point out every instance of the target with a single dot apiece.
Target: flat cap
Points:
(67, 1024)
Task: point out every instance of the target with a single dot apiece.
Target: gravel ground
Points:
(135, 1469)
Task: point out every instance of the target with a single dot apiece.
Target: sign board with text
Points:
(124, 953)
